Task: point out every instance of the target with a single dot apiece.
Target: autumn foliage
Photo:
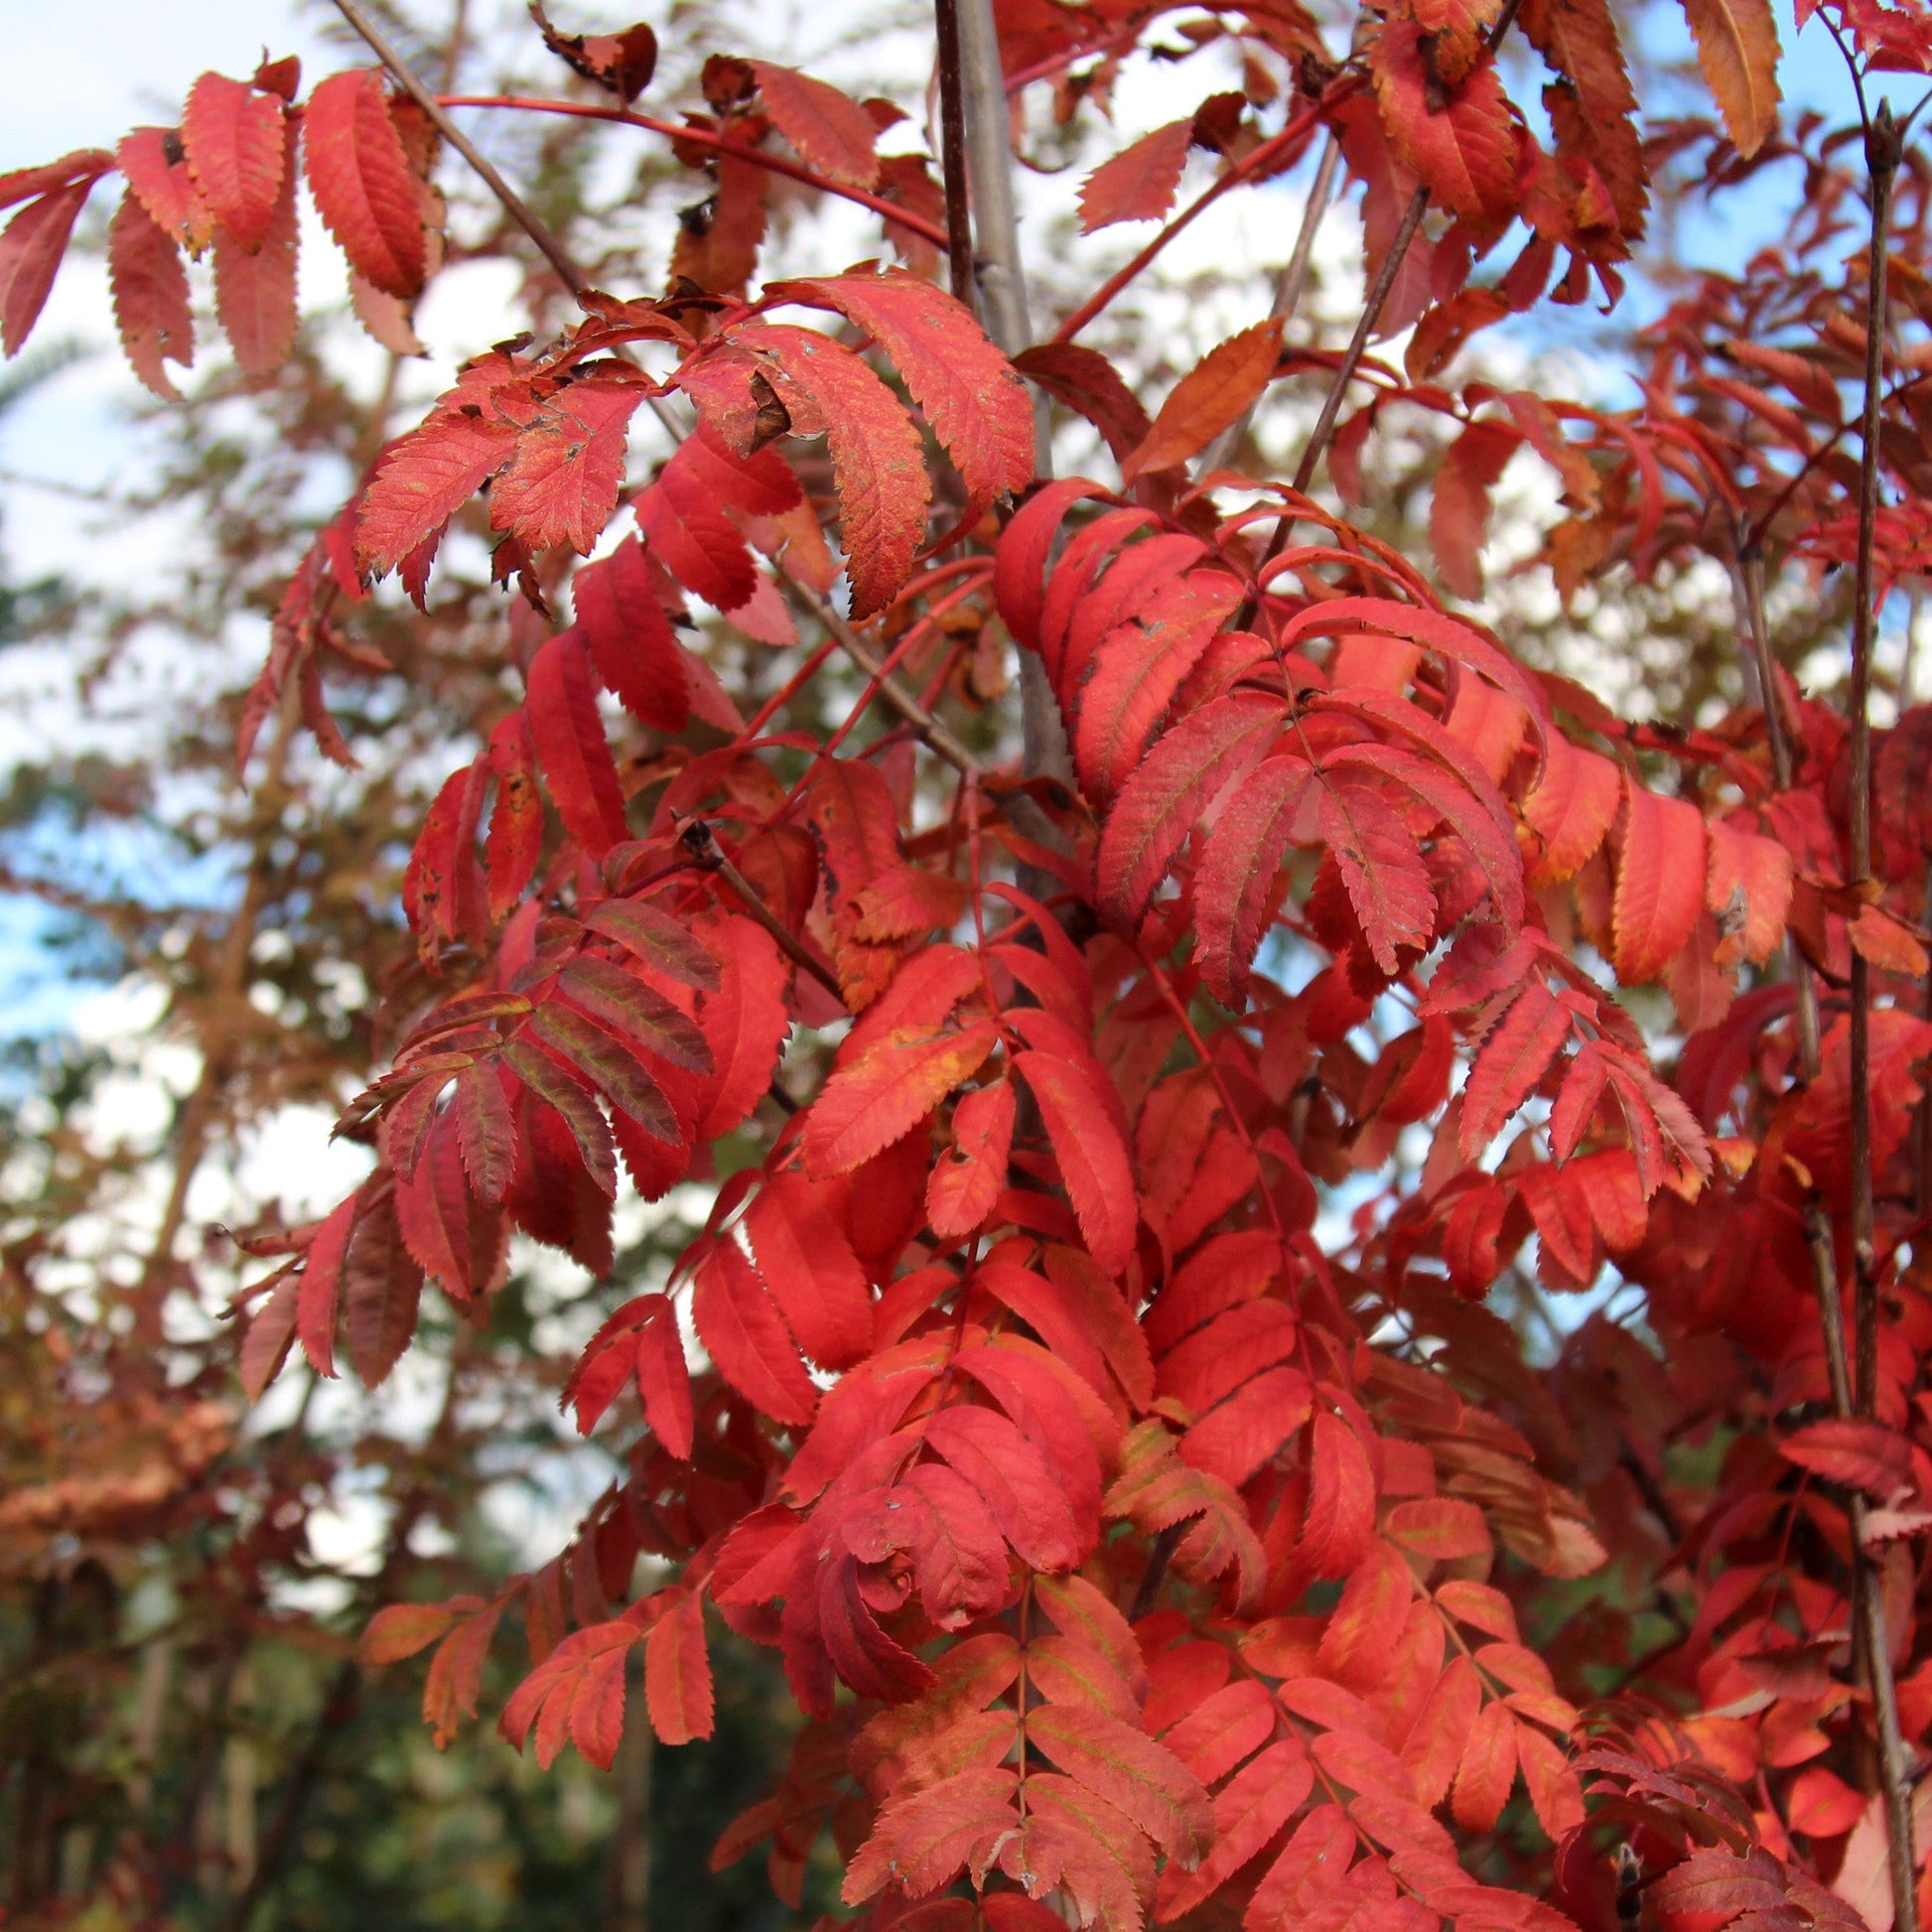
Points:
(1087, 1387)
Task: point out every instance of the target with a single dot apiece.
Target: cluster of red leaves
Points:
(1124, 1545)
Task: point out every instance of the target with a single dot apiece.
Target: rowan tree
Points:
(1286, 1268)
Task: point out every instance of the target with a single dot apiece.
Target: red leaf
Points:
(631, 639)
(255, 288)
(1139, 183)
(977, 405)
(1023, 1493)
(1089, 1151)
(830, 130)
(363, 184)
(965, 1183)
(664, 1383)
(271, 1332)
(740, 1326)
(884, 1093)
(1458, 511)
(30, 255)
(1864, 1455)
(236, 153)
(937, 1517)
(1382, 867)
(1234, 891)
(322, 1276)
(1129, 1769)
(151, 305)
(806, 1261)
(1255, 1804)
(1572, 807)
(1137, 667)
(1660, 874)
(564, 474)
(423, 481)
(877, 461)
(1464, 150)
(1175, 783)
(1512, 1060)
(744, 1022)
(678, 1673)
(1487, 1769)
(1737, 49)
(923, 1840)
(571, 746)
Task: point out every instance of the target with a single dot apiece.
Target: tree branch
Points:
(952, 156)
(1287, 290)
(514, 207)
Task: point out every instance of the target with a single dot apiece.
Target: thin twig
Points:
(937, 736)
(1324, 423)
(1882, 147)
(514, 207)
(1287, 291)
(704, 848)
(775, 164)
(952, 156)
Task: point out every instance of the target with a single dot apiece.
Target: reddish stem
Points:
(719, 144)
(1296, 129)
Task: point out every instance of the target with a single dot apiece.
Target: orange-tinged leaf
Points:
(1737, 49)
(1458, 511)
(1341, 1499)
(924, 1840)
(1255, 1804)
(1660, 876)
(1442, 1528)
(1366, 1624)
(1137, 184)
(362, 180)
(399, 1630)
(1573, 808)
(1160, 805)
(1555, 1792)
(1433, 1746)
(1486, 1771)
(423, 481)
(1464, 147)
(1220, 388)
(1129, 1769)
(884, 1093)
(678, 1673)
(1307, 1874)
(562, 482)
